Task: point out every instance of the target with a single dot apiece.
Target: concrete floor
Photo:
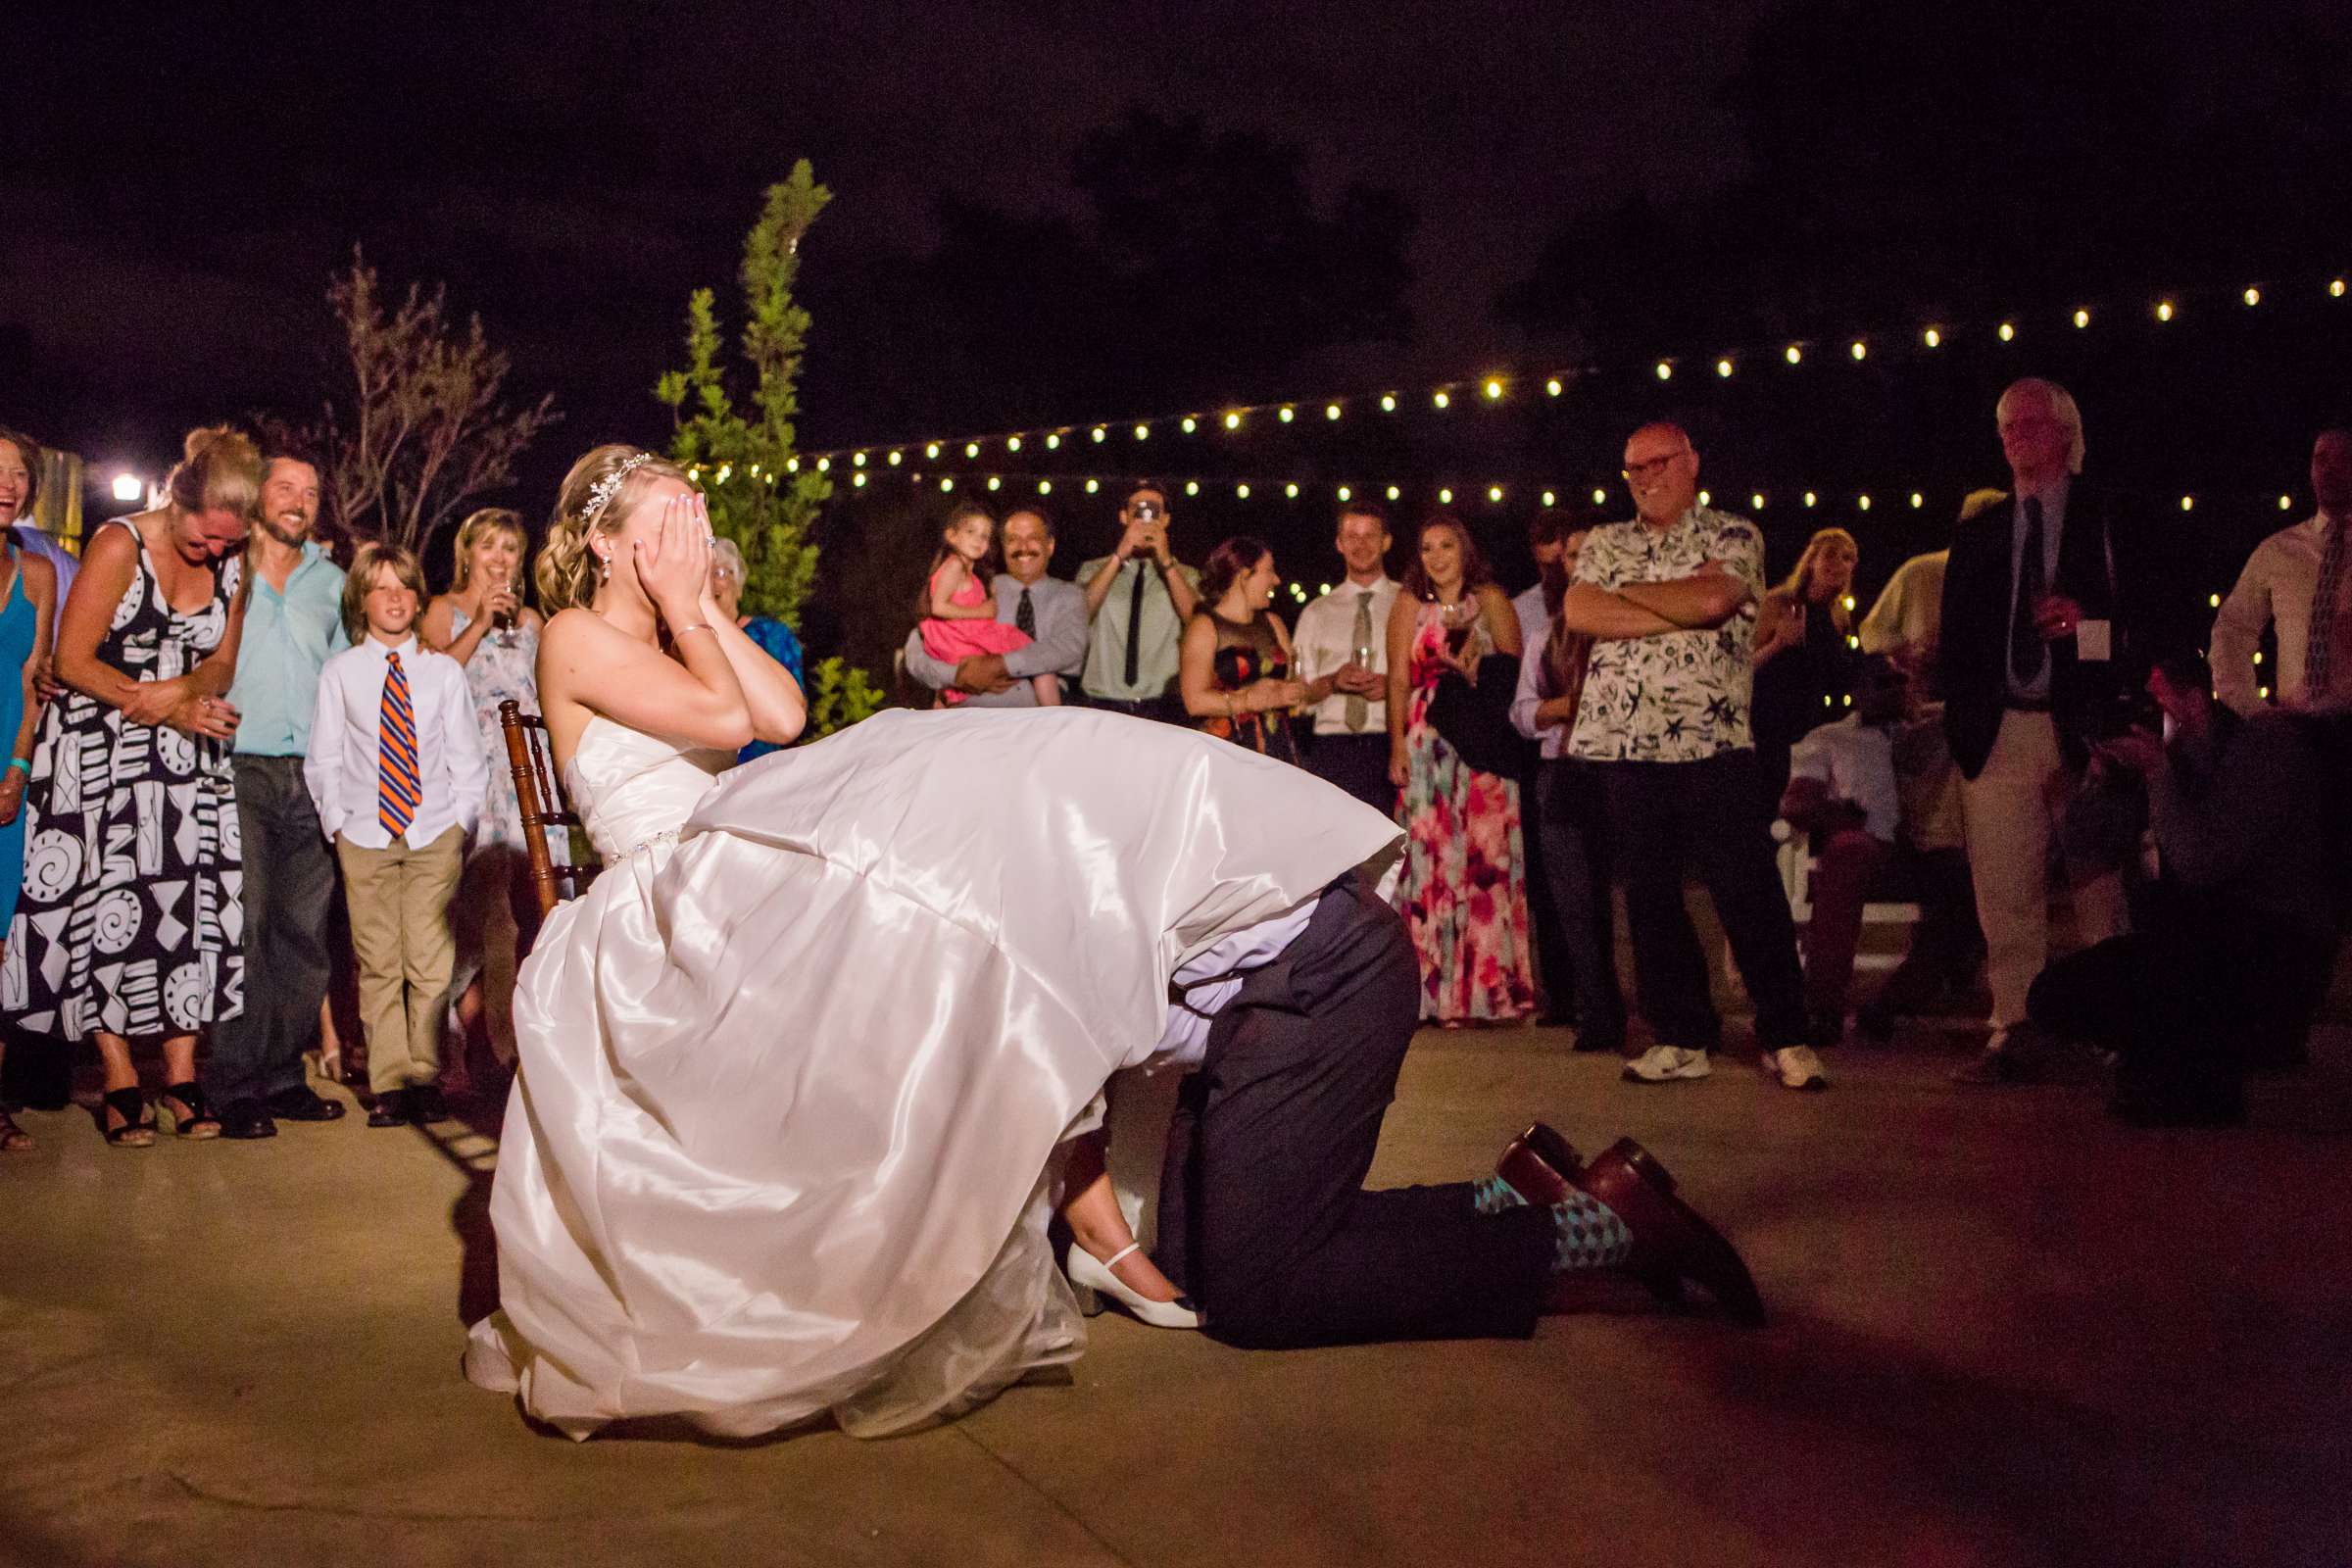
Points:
(2006, 1332)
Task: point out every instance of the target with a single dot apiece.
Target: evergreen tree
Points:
(760, 494)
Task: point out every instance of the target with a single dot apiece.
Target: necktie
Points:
(2318, 647)
(397, 790)
(2027, 650)
(1360, 712)
(1024, 617)
(1134, 628)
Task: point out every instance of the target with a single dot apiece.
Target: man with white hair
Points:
(2054, 607)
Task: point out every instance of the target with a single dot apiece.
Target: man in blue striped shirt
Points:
(293, 620)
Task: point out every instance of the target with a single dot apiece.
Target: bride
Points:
(797, 1070)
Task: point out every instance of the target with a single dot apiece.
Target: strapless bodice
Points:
(631, 788)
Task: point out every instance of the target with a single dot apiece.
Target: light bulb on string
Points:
(1241, 489)
(2188, 503)
(858, 461)
(1756, 499)
(1495, 493)
(823, 465)
(1600, 495)
(971, 449)
(1551, 389)
(931, 451)
(1388, 403)
(1550, 498)
(2082, 318)
(790, 466)
(1284, 414)
(1092, 485)
(2287, 503)
(1811, 498)
(858, 480)
(946, 484)
(1346, 493)
(1494, 391)
(1723, 367)
(1932, 337)
(2008, 333)
(1053, 442)
(995, 483)
(2253, 296)
(2213, 600)
(1192, 487)
(1916, 501)
(1100, 433)
(896, 458)
(1444, 498)
(1707, 498)
(1330, 411)
(1665, 370)
(1045, 487)
(1862, 502)
(2335, 289)
(2164, 309)
(1014, 444)
(1860, 350)
(1190, 424)
(1233, 421)
(1142, 432)
(1396, 494)
(1442, 400)
(1290, 489)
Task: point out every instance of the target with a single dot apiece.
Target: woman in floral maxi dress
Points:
(1464, 888)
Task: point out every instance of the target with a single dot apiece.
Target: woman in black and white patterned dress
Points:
(130, 926)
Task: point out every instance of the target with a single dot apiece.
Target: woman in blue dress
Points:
(25, 617)
(770, 635)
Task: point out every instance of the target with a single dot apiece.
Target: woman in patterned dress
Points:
(483, 625)
(1234, 665)
(26, 606)
(130, 924)
(1464, 888)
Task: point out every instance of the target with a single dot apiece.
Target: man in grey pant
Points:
(293, 620)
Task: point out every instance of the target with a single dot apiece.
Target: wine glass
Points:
(502, 625)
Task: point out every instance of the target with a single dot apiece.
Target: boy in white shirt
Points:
(398, 774)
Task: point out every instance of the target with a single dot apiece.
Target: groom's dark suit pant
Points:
(1262, 1214)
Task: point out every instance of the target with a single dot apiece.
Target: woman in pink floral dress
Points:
(1464, 888)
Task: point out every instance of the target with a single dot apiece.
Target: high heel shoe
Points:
(1090, 1273)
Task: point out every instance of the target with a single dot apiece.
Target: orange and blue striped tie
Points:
(397, 792)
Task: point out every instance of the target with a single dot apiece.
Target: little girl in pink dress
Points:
(959, 615)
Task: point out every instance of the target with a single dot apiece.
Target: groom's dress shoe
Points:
(1539, 1164)
(1671, 1242)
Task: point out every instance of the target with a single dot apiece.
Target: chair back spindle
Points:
(539, 793)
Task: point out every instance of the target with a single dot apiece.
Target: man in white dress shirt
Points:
(2281, 588)
(1341, 649)
(1051, 610)
(398, 815)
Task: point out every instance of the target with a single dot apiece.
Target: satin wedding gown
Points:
(795, 1068)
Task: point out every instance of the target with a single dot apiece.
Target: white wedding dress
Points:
(795, 1068)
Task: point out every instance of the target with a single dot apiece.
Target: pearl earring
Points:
(605, 571)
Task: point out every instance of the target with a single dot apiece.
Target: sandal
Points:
(138, 1128)
(12, 1138)
(191, 1116)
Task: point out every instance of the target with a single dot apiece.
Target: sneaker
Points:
(1797, 1067)
(1663, 1064)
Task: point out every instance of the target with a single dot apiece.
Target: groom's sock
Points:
(1590, 1233)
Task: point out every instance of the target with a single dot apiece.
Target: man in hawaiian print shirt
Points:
(1670, 600)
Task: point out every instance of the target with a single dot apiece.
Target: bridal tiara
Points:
(601, 493)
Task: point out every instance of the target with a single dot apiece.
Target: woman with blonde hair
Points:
(483, 623)
(1806, 654)
(130, 924)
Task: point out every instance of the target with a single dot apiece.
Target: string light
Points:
(1013, 445)
(1285, 416)
(1291, 490)
(858, 480)
(1494, 391)
(1723, 367)
(994, 483)
(896, 458)
(931, 451)
(2335, 289)
(1495, 492)
(2253, 296)
(1045, 487)
(1932, 337)
(1092, 485)
(1241, 489)
(2008, 333)
(790, 466)
(1756, 499)
(946, 483)
(1705, 499)
(860, 460)
(1191, 425)
(1796, 355)
(1860, 350)
(1665, 370)
(1388, 403)
(1100, 434)
(1551, 389)
(2082, 318)
(2213, 600)
(1395, 493)
(1330, 411)
(971, 449)
(1811, 498)
(1345, 493)
(1053, 442)
(823, 465)
(2287, 503)
(1446, 498)
(1600, 496)
(1233, 422)
(1442, 400)
(1916, 501)
(2188, 503)
(1863, 501)
(2164, 309)
(1142, 432)
(1550, 499)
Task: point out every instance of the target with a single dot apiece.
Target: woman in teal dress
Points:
(25, 618)
(771, 636)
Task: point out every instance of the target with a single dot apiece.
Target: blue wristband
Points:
(23, 763)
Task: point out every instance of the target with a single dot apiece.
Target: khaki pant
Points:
(2008, 813)
(399, 899)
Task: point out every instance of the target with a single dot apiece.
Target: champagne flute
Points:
(502, 625)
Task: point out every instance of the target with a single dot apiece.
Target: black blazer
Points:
(2145, 597)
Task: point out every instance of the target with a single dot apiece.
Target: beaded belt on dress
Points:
(665, 835)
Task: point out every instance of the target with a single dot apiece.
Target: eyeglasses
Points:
(1639, 472)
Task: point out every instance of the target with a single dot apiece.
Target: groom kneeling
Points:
(1263, 1217)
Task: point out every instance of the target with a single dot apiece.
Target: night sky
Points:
(182, 179)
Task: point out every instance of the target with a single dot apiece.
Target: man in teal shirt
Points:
(293, 620)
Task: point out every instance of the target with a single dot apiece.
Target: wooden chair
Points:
(539, 791)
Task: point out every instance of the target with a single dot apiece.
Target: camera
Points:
(1144, 511)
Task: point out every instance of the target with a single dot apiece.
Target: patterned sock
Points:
(1492, 1195)
(1590, 1233)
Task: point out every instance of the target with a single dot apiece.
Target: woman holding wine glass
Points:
(483, 625)
(1464, 887)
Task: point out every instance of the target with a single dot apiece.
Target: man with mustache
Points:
(293, 622)
(1051, 610)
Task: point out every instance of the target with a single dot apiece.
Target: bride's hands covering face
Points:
(674, 561)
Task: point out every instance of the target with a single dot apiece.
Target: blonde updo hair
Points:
(221, 472)
(568, 568)
(490, 520)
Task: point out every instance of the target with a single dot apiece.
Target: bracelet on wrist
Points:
(23, 764)
(700, 625)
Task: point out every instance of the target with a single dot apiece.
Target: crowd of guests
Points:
(1652, 711)
(217, 726)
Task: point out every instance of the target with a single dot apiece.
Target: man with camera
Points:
(2054, 606)
(1137, 599)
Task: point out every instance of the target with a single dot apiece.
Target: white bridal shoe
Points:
(1093, 1277)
